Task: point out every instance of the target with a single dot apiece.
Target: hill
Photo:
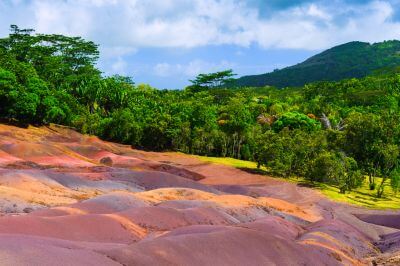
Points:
(350, 60)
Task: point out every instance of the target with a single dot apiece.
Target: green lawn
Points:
(362, 196)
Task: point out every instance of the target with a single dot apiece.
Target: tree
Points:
(335, 168)
(235, 120)
(114, 93)
(8, 83)
(395, 180)
(57, 59)
(274, 151)
(123, 127)
(213, 80)
(373, 141)
(362, 133)
(387, 161)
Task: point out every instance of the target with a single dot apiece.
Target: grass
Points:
(362, 196)
(229, 161)
(365, 197)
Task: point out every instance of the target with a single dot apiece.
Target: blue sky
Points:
(167, 42)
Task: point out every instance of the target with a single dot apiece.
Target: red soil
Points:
(62, 203)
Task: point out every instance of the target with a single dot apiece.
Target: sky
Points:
(165, 43)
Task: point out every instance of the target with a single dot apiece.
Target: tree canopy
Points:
(213, 80)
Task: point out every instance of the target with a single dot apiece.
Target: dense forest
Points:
(331, 132)
(350, 60)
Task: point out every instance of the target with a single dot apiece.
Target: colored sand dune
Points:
(70, 199)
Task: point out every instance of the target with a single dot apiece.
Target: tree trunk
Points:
(371, 181)
(224, 148)
(325, 121)
(233, 146)
(381, 188)
(239, 146)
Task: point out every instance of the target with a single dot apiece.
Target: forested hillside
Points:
(350, 60)
(332, 132)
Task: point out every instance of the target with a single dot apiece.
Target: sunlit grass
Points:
(362, 196)
(229, 161)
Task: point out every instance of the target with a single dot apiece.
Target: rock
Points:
(106, 161)
(28, 210)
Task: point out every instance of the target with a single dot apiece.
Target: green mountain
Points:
(350, 60)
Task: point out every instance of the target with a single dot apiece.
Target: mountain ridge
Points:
(350, 60)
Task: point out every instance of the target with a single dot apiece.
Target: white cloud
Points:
(119, 66)
(191, 69)
(317, 12)
(123, 26)
(165, 69)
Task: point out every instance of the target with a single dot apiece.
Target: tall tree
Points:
(213, 80)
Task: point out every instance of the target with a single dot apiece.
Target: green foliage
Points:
(335, 168)
(275, 152)
(295, 120)
(122, 127)
(55, 58)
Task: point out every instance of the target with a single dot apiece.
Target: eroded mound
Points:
(388, 220)
(70, 199)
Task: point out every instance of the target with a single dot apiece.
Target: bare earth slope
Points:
(70, 199)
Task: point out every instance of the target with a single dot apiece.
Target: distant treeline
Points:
(328, 132)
